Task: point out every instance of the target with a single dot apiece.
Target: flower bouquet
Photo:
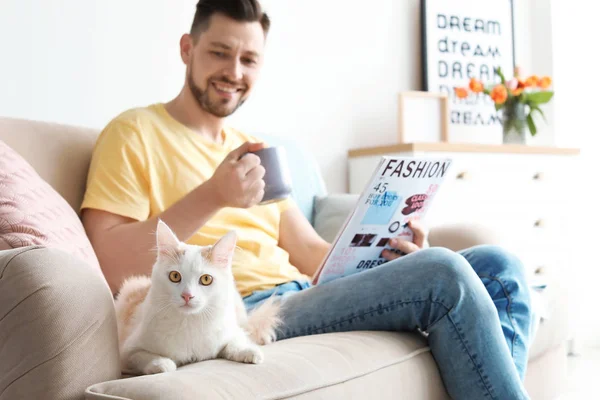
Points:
(517, 98)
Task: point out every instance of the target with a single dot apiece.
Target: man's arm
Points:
(297, 236)
(126, 247)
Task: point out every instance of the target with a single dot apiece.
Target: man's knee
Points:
(450, 279)
(448, 268)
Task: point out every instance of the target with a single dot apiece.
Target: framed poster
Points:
(464, 39)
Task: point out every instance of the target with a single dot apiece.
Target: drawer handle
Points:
(539, 176)
(540, 270)
(540, 223)
(463, 175)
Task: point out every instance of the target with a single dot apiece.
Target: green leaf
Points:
(538, 109)
(531, 125)
(498, 106)
(500, 74)
(539, 97)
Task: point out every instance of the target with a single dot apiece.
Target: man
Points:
(178, 162)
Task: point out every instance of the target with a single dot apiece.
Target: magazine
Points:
(401, 189)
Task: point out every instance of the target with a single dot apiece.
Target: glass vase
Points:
(514, 123)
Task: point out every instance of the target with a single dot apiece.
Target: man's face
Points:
(224, 64)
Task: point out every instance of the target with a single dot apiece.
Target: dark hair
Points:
(239, 10)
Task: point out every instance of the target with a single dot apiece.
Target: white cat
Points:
(189, 310)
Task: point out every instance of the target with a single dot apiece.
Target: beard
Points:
(220, 107)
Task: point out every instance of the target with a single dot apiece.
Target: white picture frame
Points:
(422, 117)
(461, 39)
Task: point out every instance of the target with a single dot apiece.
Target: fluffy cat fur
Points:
(160, 330)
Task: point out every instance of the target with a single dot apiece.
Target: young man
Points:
(178, 162)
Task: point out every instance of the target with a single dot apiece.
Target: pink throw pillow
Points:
(33, 213)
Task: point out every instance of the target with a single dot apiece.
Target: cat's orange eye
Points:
(175, 276)
(206, 279)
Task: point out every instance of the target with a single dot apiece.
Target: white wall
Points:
(534, 53)
(81, 62)
(333, 69)
(576, 104)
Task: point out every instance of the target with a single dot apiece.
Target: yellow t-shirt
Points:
(144, 161)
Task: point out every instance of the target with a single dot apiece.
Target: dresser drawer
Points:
(538, 263)
(521, 175)
(471, 201)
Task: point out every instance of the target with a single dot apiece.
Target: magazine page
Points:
(401, 189)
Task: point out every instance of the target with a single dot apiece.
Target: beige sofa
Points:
(58, 332)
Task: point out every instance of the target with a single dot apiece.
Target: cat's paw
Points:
(249, 355)
(159, 365)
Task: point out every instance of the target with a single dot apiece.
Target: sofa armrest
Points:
(461, 236)
(58, 332)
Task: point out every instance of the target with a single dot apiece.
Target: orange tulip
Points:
(517, 91)
(532, 81)
(461, 93)
(545, 82)
(499, 94)
(476, 86)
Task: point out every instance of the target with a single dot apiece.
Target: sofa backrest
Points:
(60, 154)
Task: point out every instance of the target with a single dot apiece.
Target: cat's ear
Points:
(166, 241)
(222, 251)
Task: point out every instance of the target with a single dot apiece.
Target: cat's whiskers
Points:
(162, 306)
(210, 313)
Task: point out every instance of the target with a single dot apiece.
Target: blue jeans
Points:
(474, 306)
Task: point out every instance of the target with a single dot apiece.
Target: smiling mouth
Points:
(225, 89)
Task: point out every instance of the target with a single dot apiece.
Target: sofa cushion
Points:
(58, 329)
(336, 365)
(33, 213)
(331, 212)
(59, 153)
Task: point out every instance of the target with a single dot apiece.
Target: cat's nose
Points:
(187, 297)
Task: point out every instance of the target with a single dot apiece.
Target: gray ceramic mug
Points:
(278, 181)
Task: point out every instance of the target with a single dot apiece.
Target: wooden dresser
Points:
(526, 194)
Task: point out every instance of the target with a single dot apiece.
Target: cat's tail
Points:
(132, 293)
(263, 321)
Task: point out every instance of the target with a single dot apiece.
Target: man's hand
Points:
(404, 246)
(238, 180)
